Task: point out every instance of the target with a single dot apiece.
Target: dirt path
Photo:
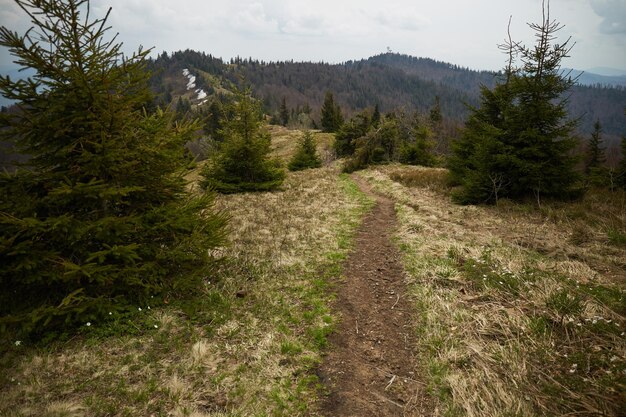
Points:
(370, 369)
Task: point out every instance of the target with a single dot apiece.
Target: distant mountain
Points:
(391, 81)
(590, 78)
(607, 72)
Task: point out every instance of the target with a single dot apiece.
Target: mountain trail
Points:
(371, 368)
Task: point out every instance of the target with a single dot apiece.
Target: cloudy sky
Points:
(463, 32)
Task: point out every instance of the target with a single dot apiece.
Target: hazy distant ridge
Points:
(590, 78)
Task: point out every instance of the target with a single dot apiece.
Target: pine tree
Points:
(183, 108)
(306, 154)
(376, 116)
(349, 132)
(435, 112)
(596, 171)
(332, 118)
(481, 161)
(518, 143)
(284, 113)
(98, 219)
(375, 147)
(620, 177)
(213, 122)
(243, 163)
(416, 144)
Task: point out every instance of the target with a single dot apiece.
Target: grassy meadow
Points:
(519, 310)
(247, 345)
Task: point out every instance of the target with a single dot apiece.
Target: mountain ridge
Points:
(390, 80)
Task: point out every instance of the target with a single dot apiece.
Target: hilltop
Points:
(391, 81)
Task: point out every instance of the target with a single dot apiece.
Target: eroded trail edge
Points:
(370, 369)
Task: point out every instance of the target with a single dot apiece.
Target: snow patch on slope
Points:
(191, 85)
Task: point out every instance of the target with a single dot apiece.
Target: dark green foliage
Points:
(416, 144)
(376, 147)
(390, 80)
(99, 219)
(435, 112)
(595, 169)
(620, 177)
(480, 160)
(518, 143)
(183, 108)
(306, 155)
(284, 112)
(243, 163)
(213, 121)
(376, 116)
(332, 118)
(397, 138)
(345, 138)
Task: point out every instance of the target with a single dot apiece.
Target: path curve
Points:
(370, 368)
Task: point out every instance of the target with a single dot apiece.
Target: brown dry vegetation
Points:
(521, 310)
(285, 141)
(247, 345)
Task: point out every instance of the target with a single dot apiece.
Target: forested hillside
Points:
(389, 80)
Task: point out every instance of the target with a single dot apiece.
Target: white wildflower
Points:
(88, 324)
(18, 342)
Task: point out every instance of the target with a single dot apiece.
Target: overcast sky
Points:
(463, 32)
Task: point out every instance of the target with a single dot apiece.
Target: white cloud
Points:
(404, 19)
(254, 20)
(613, 13)
(459, 31)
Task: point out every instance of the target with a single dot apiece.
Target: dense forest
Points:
(390, 81)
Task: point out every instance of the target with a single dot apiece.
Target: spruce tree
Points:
(284, 113)
(416, 144)
(481, 161)
(596, 171)
(375, 147)
(332, 118)
(213, 121)
(376, 116)
(620, 177)
(306, 154)
(98, 218)
(519, 142)
(243, 163)
(349, 132)
(435, 112)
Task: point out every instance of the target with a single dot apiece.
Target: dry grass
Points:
(247, 346)
(416, 176)
(516, 317)
(285, 141)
